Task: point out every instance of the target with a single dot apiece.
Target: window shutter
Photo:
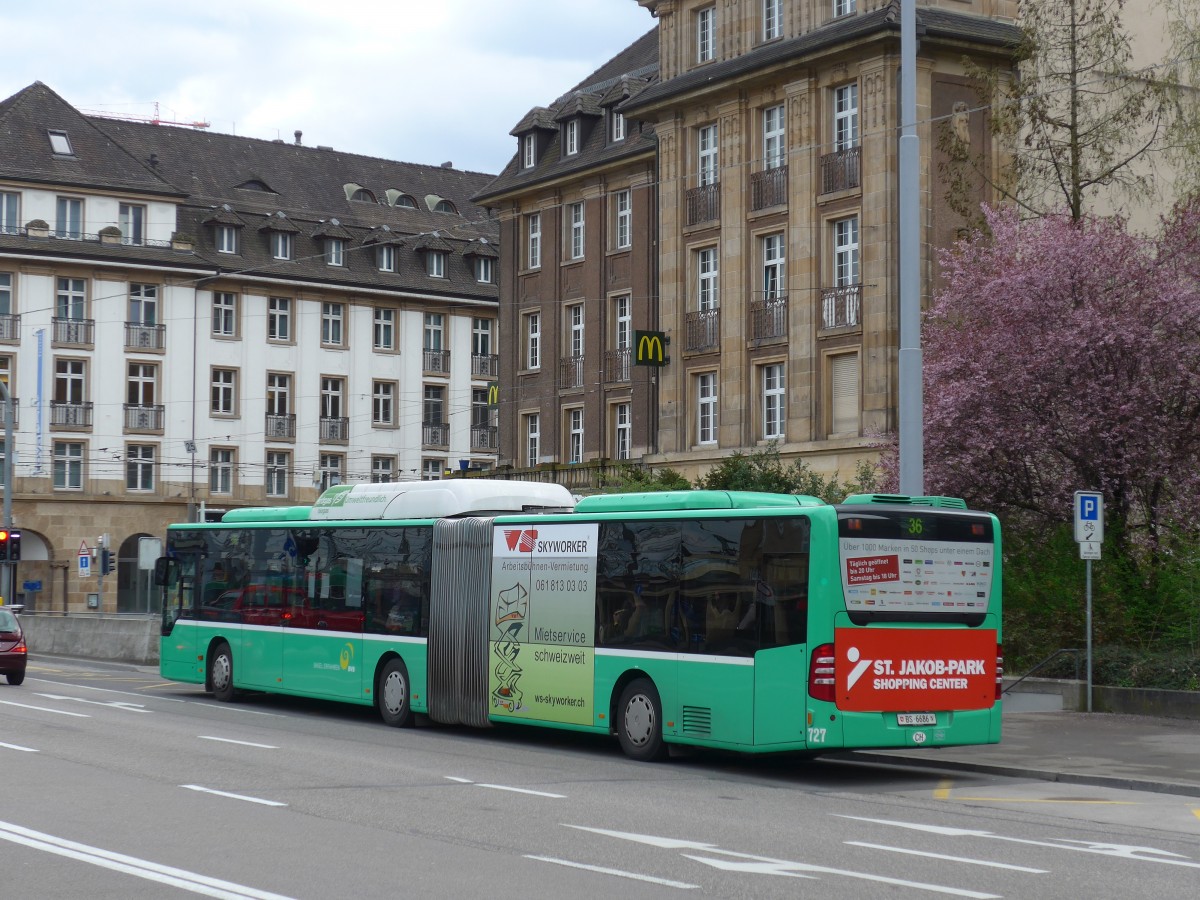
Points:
(844, 391)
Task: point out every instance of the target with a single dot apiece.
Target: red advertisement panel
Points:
(914, 670)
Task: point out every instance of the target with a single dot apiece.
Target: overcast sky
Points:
(422, 81)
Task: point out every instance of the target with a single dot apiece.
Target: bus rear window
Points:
(915, 565)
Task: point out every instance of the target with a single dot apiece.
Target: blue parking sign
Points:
(1089, 516)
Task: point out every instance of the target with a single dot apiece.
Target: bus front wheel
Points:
(639, 721)
(220, 673)
(391, 695)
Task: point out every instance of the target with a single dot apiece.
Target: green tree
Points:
(632, 479)
(763, 470)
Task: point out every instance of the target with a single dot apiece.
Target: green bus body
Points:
(765, 623)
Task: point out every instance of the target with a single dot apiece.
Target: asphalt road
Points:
(118, 784)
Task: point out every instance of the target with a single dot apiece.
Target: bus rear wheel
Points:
(639, 721)
(220, 673)
(391, 695)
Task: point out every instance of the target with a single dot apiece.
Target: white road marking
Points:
(60, 712)
(131, 865)
(961, 859)
(665, 882)
(204, 790)
(209, 737)
(113, 704)
(18, 747)
(504, 787)
(90, 687)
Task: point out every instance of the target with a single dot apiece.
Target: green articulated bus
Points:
(737, 620)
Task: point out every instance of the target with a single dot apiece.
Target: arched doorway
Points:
(135, 575)
(31, 576)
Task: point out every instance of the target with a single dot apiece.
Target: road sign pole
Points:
(1089, 635)
(1089, 532)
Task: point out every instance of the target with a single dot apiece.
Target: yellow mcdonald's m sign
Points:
(650, 348)
(493, 396)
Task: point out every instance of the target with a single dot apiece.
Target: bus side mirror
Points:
(166, 571)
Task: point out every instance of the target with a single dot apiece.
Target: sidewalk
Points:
(1132, 752)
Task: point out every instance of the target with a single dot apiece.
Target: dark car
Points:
(13, 652)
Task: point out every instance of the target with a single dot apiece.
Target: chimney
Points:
(447, 165)
(299, 134)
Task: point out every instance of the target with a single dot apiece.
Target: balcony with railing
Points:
(435, 434)
(841, 306)
(570, 372)
(617, 364)
(73, 331)
(145, 337)
(768, 188)
(280, 427)
(703, 204)
(71, 415)
(436, 362)
(702, 330)
(10, 327)
(485, 365)
(842, 170)
(769, 317)
(335, 429)
(143, 418)
(16, 408)
(485, 438)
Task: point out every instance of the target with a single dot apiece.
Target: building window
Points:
(141, 385)
(534, 240)
(575, 317)
(6, 300)
(383, 469)
(706, 408)
(623, 323)
(143, 305)
(707, 296)
(774, 138)
(385, 257)
(533, 341)
(434, 331)
(529, 151)
(281, 245)
(574, 435)
(330, 470)
(481, 410)
(69, 221)
(774, 401)
(845, 117)
(332, 390)
(485, 269)
(843, 7)
(432, 469)
(226, 239)
(576, 214)
(709, 168)
(224, 314)
(845, 252)
(618, 125)
(132, 222)
(279, 318)
(9, 212)
(60, 143)
(533, 437)
(772, 19)
(68, 466)
(843, 394)
(70, 382)
(383, 331)
(481, 337)
(223, 400)
(279, 465)
(571, 142)
(706, 34)
(433, 410)
(332, 315)
(383, 403)
(623, 201)
(139, 467)
(279, 394)
(220, 471)
(774, 262)
(435, 263)
(335, 252)
(622, 431)
(70, 301)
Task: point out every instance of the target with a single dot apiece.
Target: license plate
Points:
(916, 719)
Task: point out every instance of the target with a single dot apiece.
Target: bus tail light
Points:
(999, 671)
(821, 682)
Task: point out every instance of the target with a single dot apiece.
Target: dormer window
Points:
(528, 151)
(60, 143)
(226, 239)
(363, 196)
(335, 252)
(571, 137)
(618, 126)
(444, 206)
(435, 263)
(385, 256)
(281, 245)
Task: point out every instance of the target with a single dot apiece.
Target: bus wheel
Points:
(220, 673)
(391, 695)
(639, 721)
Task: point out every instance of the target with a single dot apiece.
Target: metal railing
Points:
(71, 415)
(703, 204)
(702, 330)
(570, 372)
(73, 331)
(485, 437)
(841, 306)
(144, 418)
(617, 365)
(280, 426)
(768, 188)
(435, 434)
(335, 429)
(485, 365)
(436, 361)
(769, 318)
(145, 337)
(10, 327)
(842, 170)
(1065, 651)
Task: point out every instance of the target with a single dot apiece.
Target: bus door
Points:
(177, 647)
(322, 634)
(259, 608)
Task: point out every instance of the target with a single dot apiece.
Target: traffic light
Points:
(106, 561)
(10, 545)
